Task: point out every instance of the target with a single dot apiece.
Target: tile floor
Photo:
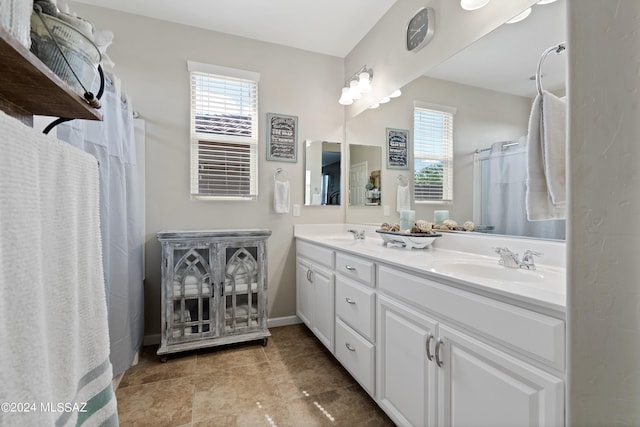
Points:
(293, 381)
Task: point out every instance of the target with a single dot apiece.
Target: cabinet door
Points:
(406, 388)
(189, 292)
(479, 385)
(304, 293)
(323, 306)
(243, 280)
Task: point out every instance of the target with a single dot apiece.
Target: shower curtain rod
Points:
(557, 50)
(505, 144)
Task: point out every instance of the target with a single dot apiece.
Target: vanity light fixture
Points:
(545, 1)
(473, 4)
(396, 93)
(356, 85)
(374, 106)
(519, 17)
(345, 99)
(384, 100)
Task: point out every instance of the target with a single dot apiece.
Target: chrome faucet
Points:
(511, 259)
(527, 259)
(357, 234)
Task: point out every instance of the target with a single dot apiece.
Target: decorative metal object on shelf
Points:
(69, 53)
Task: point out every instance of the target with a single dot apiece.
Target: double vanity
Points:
(444, 335)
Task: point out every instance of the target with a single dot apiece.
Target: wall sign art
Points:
(282, 137)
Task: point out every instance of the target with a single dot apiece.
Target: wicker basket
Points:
(81, 54)
(14, 17)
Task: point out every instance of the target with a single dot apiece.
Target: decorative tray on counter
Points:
(408, 240)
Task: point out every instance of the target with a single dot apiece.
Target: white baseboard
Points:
(154, 339)
(283, 321)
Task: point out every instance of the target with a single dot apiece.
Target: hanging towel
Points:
(281, 196)
(403, 198)
(546, 181)
(53, 310)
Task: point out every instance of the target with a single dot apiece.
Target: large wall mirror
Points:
(490, 85)
(365, 180)
(322, 160)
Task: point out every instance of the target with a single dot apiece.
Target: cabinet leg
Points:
(264, 341)
(163, 359)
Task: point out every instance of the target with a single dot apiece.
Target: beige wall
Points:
(482, 118)
(151, 59)
(604, 150)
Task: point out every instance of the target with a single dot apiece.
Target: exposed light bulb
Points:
(345, 99)
(473, 4)
(384, 100)
(364, 82)
(519, 17)
(354, 92)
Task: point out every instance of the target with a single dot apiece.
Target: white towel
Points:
(403, 201)
(53, 310)
(281, 196)
(546, 183)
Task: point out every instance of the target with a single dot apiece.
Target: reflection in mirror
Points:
(364, 175)
(489, 85)
(322, 173)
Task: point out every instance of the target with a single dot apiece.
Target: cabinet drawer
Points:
(356, 306)
(356, 267)
(356, 354)
(318, 254)
(538, 336)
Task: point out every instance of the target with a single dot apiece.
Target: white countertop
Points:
(463, 260)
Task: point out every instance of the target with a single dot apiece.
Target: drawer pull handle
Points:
(349, 347)
(348, 267)
(350, 301)
(429, 355)
(438, 360)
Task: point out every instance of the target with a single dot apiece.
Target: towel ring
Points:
(557, 49)
(280, 172)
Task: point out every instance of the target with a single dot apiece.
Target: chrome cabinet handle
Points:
(348, 267)
(349, 347)
(350, 301)
(439, 361)
(429, 355)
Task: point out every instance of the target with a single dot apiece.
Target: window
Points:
(433, 154)
(224, 132)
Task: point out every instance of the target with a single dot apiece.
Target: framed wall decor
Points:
(397, 148)
(282, 137)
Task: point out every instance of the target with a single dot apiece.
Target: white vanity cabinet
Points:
(430, 351)
(433, 370)
(315, 304)
(355, 318)
(214, 288)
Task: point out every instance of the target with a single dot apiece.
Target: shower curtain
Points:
(503, 193)
(112, 141)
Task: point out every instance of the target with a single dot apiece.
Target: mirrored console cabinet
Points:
(214, 288)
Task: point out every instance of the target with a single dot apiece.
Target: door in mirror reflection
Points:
(364, 175)
(322, 173)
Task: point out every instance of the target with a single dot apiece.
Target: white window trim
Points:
(444, 109)
(199, 67)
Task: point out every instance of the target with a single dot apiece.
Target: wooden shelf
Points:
(30, 87)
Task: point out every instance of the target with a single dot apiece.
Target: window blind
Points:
(433, 155)
(224, 136)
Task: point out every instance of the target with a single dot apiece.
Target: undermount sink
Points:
(493, 271)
